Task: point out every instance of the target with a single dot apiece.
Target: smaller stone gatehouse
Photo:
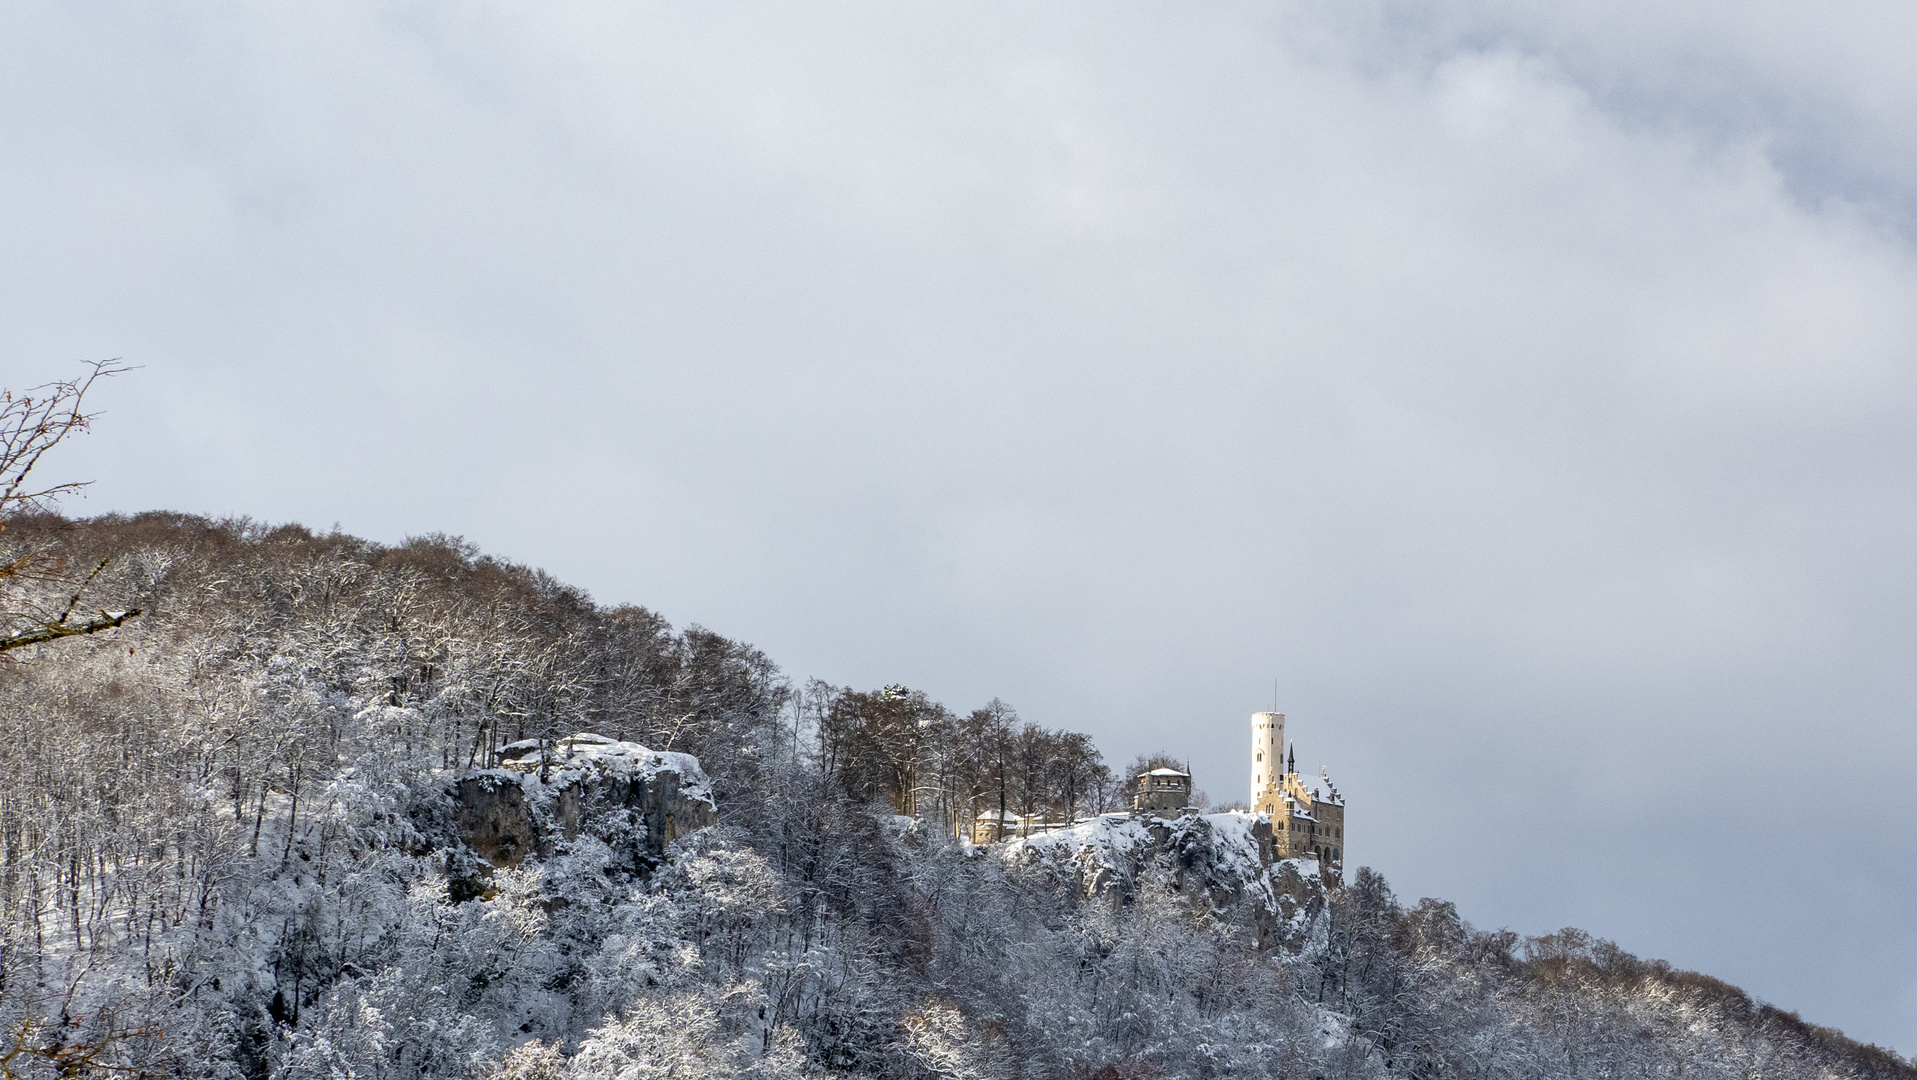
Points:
(1162, 791)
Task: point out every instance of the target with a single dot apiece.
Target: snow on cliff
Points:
(633, 799)
(1229, 858)
(573, 755)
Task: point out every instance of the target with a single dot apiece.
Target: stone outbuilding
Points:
(1162, 791)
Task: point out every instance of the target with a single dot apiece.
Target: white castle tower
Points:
(1267, 751)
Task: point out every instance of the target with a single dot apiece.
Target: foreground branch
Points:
(65, 627)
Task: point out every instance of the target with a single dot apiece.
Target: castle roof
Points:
(1320, 790)
(1330, 790)
(1167, 772)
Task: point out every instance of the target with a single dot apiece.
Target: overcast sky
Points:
(1528, 391)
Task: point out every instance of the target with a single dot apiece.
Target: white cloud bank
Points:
(1530, 390)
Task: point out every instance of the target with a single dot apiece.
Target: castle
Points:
(1304, 820)
(1307, 818)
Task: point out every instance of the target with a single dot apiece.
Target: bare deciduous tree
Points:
(33, 422)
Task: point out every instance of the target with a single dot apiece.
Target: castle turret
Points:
(1267, 749)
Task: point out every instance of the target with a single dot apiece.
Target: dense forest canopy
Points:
(222, 854)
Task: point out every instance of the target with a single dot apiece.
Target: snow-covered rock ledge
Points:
(634, 799)
(1228, 859)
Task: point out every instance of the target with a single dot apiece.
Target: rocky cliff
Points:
(1228, 861)
(542, 796)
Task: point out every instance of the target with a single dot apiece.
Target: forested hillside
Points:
(231, 845)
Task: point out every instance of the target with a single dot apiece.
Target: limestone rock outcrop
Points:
(1228, 861)
(634, 799)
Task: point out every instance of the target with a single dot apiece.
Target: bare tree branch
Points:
(33, 422)
(105, 620)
